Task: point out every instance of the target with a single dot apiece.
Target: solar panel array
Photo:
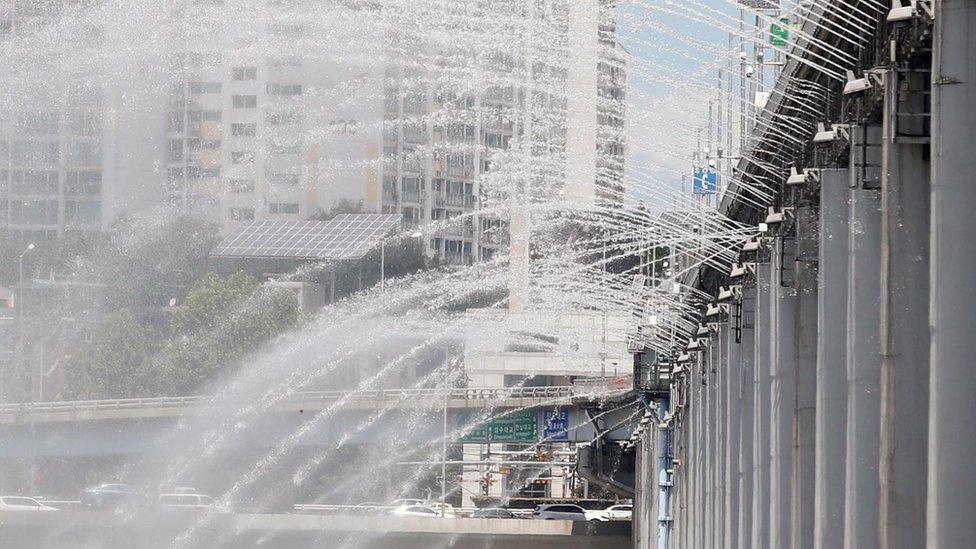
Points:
(347, 236)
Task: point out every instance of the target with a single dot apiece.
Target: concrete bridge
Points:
(409, 416)
(74, 529)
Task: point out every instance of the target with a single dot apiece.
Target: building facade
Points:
(524, 106)
(274, 114)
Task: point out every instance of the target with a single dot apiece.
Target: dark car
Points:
(493, 513)
(110, 494)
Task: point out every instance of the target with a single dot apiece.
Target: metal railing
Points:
(310, 397)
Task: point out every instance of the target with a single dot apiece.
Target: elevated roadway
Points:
(89, 528)
(411, 416)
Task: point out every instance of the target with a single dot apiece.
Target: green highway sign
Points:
(779, 33)
(521, 426)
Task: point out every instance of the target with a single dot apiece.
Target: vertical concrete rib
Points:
(747, 350)
(714, 441)
(700, 492)
(863, 368)
(721, 413)
(782, 394)
(805, 394)
(904, 324)
(952, 300)
(760, 437)
(732, 384)
(831, 410)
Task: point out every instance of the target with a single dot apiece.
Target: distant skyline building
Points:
(499, 105)
(69, 150)
(280, 112)
(267, 122)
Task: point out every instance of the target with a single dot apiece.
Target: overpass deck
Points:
(301, 530)
(162, 407)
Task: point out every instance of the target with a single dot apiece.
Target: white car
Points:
(191, 501)
(416, 511)
(445, 509)
(406, 501)
(614, 512)
(21, 503)
(559, 511)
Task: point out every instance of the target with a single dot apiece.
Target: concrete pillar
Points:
(831, 407)
(805, 394)
(643, 505)
(904, 324)
(664, 485)
(720, 414)
(747, 350)
(711, 444)
(732, 384)
(783, 398)
(761, 388)
(863, 370)
(952, 407)
(701, 404)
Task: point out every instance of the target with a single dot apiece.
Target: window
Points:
(245, 101)
(194, 172)
(284, 118)
(87, 123)
(175, 150)
(203, 116)
(204, 87)
(241, 185)
(38, 123)
(285, 61)
(284, 148)
(289, 179)
(34, 152)
(88, 183)
(195, 144)
(245, 73)
(242, 214)
(241, 129)
(34, 182)
(285, 90)
(36, 212)
(82, 211)
(242, 157)
(84, 153)
(283, 208)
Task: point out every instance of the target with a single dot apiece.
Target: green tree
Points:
(222, 320)
(343, 206)
(118, 363)
(210, 300)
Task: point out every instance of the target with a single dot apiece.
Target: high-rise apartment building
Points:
(77, 144)
(522, 95)
(266, 118)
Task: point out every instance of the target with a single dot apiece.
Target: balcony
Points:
(459, 200)
(454, 258)
(414, 197)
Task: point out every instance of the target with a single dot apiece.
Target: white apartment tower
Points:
(521, 92)
(267, 121)
(79, 137)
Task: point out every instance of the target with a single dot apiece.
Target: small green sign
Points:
(521, 426)
(779, 33)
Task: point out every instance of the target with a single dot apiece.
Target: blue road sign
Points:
(556, 425)
(706, 181)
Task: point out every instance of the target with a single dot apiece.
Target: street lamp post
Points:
(21, 309)
(22, 355)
